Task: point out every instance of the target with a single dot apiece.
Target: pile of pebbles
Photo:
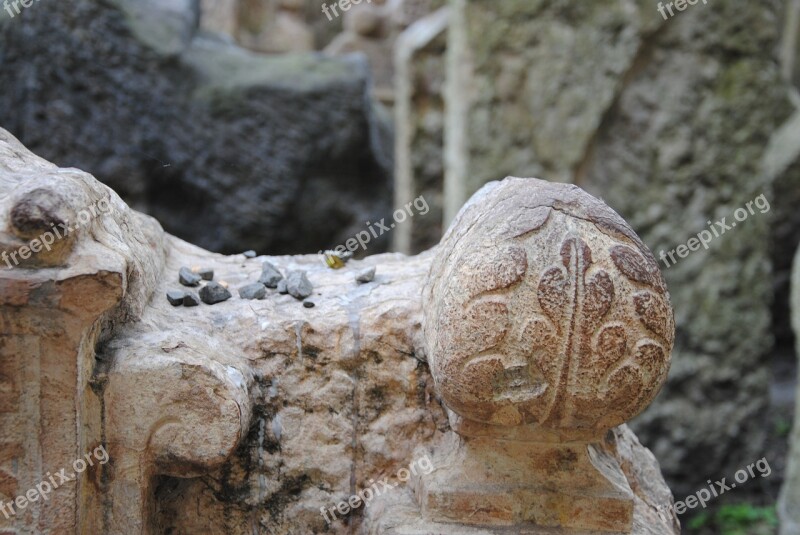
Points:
(295, 283)
(210, 293)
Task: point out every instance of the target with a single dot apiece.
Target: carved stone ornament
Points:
(547, 323)
(544, 308)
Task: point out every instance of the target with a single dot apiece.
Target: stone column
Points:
(77, 267)
(72, 264)
(547, 325)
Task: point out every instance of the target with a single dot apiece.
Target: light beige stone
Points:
(219, 16)
(547, 323)
(241, 417)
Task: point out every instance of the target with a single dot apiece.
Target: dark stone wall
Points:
(227, 149)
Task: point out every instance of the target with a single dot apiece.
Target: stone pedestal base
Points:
(402, 517)
(488, 486)
(490, 482)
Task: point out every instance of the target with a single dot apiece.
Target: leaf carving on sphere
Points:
(634, 266)
(601, 371)
(599, 296)
(653, 313)
(527, 221)
(552, 294)
(611, 348)
(574, 304)
(624, 388)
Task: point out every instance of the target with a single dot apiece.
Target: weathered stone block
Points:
(257, 415)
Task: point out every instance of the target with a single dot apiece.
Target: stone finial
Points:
(547, 323)
(545, 309)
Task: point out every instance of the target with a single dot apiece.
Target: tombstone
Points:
(271, 415)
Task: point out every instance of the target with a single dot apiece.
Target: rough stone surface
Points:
(547, 323)
(253, 291)
(53, 317)
(270, 276)
(654, 141)
(298, 285)
(239, 418)
(188, 278)
(206, 274)
(175, 297)
(638, 464)
(191, 300)
(213, 293)
(365, 276)
(157, 127)
(281, 287)
(551, 312)
(790, 493)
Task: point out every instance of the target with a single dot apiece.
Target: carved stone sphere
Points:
(544, 308)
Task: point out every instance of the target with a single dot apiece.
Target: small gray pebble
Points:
(175, 297)
(206, 274)
(213, 293)
(367, 275)
(190, 300)
(298, 285)
(253, 291)
(270, 276)
(282, 287)
(309, 304)
(249, 254)
(187, 278)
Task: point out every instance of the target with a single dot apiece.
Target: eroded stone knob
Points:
(39, 223)
(543, 307)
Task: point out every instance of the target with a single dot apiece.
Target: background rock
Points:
(225, 148)
(682, 145)
(790, 493)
